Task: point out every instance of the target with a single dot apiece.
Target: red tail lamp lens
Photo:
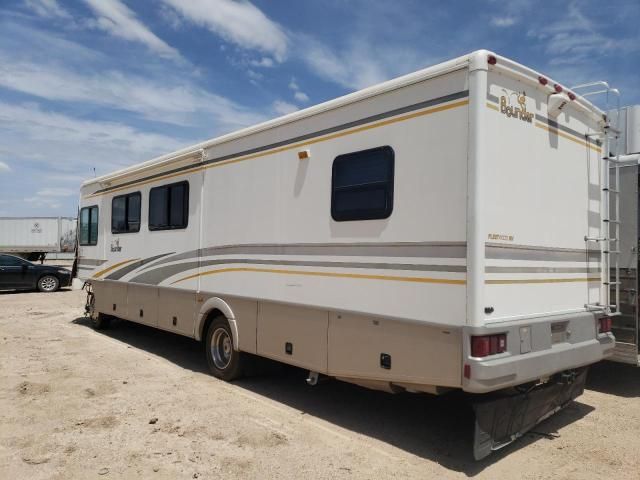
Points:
(543, 81)
(572, 96)
(557, 88)
(605, 325)
(492, 60)
(485, 345)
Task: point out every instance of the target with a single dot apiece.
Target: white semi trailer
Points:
(436, 232)
(32, 237)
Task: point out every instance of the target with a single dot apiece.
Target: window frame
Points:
(126, 196)
(89, 243)
(371, 214)
(185, 207)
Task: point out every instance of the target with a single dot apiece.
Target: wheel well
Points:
(211, 314)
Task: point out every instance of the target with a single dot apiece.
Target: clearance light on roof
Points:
(542, 80)
(492, 60)
(571, 95)
(557, 88)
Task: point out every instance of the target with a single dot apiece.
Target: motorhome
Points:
(436, 232)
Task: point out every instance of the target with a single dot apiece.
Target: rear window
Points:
(89, 225)
(362, 185)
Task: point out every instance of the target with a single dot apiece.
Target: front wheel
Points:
(224, 362)
(48, 283)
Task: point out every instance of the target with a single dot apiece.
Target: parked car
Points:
(19, 274)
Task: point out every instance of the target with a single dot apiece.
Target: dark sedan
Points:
(19, 274)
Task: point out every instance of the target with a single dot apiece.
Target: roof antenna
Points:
(94, 172)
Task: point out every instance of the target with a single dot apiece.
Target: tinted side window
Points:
(125, 213)
(89, 226)
(169, 206)
(362, 185)
(9, 261)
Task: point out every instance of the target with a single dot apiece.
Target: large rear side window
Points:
(89, 225)
(169, 206)
(362, 185)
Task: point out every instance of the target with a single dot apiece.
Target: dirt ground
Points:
(134, 402)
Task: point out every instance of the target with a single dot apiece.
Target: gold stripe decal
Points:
(568, 137)
(113, 267)
(492, 107)
(382, 123)
(541, 280)
(325, 274)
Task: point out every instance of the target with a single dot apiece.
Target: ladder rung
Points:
(609, 128)
(607, 252)
(612, 283)
(611, 221)
(595, 239)
(611, 190)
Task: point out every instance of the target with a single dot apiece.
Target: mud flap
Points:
(501, 419)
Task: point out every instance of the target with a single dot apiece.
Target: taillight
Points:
(605, 324)
(488, 345)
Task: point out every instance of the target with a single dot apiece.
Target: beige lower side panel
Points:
(111, 297)
(177, 310)
(142, 304)
(305, 329)
(342, 345)
(419, 354)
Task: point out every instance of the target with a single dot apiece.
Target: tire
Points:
(224, 362)
(100, 321)
(48, 283)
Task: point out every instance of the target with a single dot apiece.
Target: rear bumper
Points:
(538, 356)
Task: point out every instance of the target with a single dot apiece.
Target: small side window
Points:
(125, 213)
(169, 206)
(89, 225)
(362, 185)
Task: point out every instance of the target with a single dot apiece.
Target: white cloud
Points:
(301, 97)
(353, 67)
(283, 108)
(176, 101)
(47, 8)
(238, 22)
(298, 94)
(265, 62)
(503, 21)
(4, 167)
(55, 192)
(68, 140)
(117, 19)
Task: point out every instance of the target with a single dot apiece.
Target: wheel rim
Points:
(48, 283)
(221, 348)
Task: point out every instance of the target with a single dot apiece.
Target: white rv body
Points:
(492, 201)
(34, 235)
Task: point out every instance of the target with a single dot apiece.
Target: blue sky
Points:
(102, 84)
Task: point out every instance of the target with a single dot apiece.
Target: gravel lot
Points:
(136, 402)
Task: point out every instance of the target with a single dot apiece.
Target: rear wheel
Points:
(48, 283)
(224, 362)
